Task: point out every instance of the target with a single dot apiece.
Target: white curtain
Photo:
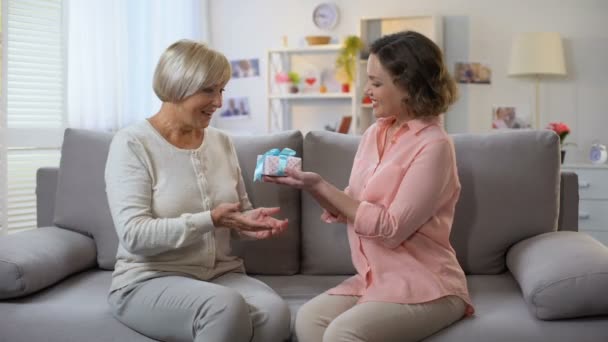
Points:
(113, 48)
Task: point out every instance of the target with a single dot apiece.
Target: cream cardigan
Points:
(160, 197)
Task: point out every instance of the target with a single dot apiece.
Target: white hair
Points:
(186, 68)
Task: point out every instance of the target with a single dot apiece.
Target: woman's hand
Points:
(328, 217)
(327, 195)
(297, 179)
(256, 223)
(265, 215)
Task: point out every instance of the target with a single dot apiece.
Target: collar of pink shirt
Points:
(416, 125)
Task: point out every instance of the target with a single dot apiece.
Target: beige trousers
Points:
(330, 318)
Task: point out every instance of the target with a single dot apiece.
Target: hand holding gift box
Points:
(274, 162)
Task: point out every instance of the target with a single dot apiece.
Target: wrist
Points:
(319, 187)
(214, 217)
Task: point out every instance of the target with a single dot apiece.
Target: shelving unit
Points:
(371, 29)
(310, 96)
(280, 103)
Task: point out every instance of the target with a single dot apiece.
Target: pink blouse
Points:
(400, 239)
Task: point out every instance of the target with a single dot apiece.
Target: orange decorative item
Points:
(322, 89)
(318, 40)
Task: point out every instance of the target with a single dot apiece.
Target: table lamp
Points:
(535, 54)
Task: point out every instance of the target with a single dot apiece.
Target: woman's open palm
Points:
(264, 216)
(297, 179)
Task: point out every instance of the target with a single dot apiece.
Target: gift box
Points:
(274, 163)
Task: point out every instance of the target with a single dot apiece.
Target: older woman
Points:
(399, 207)
(177, 195)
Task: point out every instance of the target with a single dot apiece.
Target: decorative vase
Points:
(346, 87)
(563, 155)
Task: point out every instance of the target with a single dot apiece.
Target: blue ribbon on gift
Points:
(283, 156)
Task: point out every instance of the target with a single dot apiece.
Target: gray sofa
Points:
(531, 276)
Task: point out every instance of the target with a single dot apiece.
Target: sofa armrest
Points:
(46, 187)
(561, 274)
(33, 260)
(568, 202)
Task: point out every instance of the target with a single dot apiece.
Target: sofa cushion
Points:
(501, 315)
(325, 248)
(279, 255)
(35, 259)
(75, 310)
(510, 191)
(561, 274)
(81, 203)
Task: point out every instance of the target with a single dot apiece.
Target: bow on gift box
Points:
(283, 156)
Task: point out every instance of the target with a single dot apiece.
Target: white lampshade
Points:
(537, 53)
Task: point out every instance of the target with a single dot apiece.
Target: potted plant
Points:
(294, 78)
(347, 57)
(562, 130)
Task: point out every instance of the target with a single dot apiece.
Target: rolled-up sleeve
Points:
(129, 191)
(422, 191)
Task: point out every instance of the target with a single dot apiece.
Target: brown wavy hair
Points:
(416, 64)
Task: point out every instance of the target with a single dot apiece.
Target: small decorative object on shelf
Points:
(310, 78)
(562, 130)
(347, 57)
(598, 153)
(294, 78)
(282, 81)
(318, 40)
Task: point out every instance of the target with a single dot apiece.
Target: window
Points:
(33, 106)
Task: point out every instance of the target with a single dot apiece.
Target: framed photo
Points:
(473, 73)
(236, 108)
(507, 117)
(245, 68)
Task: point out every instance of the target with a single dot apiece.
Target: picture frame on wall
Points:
(472, 73)
(236, 108)
(242, 68)
(508, 117)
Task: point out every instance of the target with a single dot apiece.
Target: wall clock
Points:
(325, 16)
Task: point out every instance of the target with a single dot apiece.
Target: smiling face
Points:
(196, 110)
(387, 98)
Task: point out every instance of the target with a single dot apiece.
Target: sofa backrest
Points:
(510, 191)
(279, 255)
(325, 247)
(81, 203)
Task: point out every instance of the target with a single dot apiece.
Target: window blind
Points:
(35, 82)
(3, 189)
(35, 101)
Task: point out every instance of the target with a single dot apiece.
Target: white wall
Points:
(474, 30)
